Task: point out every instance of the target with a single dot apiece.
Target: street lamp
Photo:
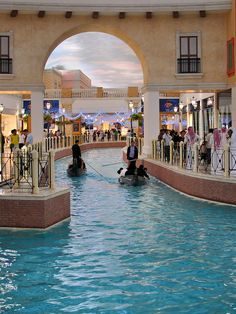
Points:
(63, 121)
(22, 118)
(131, 107)
(1, 137)
(181, 106)
(48, 106)
(194, 102)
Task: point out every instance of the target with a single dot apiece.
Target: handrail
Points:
(222, 163)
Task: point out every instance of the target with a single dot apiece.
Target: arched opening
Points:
(90, 78)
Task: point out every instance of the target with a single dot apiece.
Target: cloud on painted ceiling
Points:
(107, 60)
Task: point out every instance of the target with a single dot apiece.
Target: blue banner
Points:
(54, 106)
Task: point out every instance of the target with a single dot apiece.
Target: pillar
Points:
(37, 98)
(233, 107)
(216, 112)
(201, 126)
(151, 119)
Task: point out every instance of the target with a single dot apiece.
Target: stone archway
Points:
(107, 29)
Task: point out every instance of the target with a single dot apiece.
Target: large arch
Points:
(101, 29)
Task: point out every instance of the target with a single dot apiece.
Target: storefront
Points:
(169, 113)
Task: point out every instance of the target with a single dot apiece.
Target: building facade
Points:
(184, 48)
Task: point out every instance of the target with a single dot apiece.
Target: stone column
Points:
(201, 126)
(37, 98)
(151, 118)
(233, 107)
(216, 112)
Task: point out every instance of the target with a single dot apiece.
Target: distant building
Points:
(52, 79)
(75, 79)
(65, 79)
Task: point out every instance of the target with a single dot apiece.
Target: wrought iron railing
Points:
(189, 65)
(222, 160)
(26, 171)
(5, 66)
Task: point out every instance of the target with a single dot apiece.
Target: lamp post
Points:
(48, 106)
(131, 107)
(63, 121)
(1, 138)
(181, 106)
(22, 118)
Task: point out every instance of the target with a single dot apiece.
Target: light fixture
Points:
(48, 105)
(23, 111)
(194, 102)
(175, 109)
(1, 108)
(181, 105)
(63, 110)
(209, 101)
(131, 105)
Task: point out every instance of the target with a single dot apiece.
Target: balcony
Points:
(188, 65)
(5, 66)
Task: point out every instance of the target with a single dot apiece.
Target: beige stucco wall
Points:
(153, 40)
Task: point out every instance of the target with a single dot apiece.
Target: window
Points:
(188, 53)
(5, 59)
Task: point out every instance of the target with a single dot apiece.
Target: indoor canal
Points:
(125, 249)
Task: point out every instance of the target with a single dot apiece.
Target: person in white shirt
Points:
(28, 138)
(167, 138)
(21, 140)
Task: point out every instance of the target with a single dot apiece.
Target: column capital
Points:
(150, 88)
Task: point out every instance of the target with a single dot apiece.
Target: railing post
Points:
(227, 161)
(181, 154)
(162, 150)
(195, 152)
(45, 144)
(35, 172)
(51, 169)
(153, 149)
(171, 152)
(16, 172)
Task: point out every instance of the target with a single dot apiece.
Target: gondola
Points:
(74, 171)
(133, 180)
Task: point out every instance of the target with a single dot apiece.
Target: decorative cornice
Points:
(184, 87)
(21, 87)
(136, 6)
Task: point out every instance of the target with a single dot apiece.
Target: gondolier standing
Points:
(132, 154)
(76, 153)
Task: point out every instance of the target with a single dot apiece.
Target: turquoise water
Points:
(125, 250)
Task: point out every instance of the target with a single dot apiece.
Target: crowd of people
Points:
(210, 146)
(101, 135)
(16, 140)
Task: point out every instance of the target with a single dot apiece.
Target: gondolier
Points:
(76, 154)
(132, 153)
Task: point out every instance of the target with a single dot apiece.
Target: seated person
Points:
(122, 172)
(131, 170)
(142, 171)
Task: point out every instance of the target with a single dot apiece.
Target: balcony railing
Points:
(5, 66)
(189, 65)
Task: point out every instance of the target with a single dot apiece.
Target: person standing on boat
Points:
(132, 153)
(76, 154)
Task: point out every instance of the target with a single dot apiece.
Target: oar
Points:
(114, 163)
